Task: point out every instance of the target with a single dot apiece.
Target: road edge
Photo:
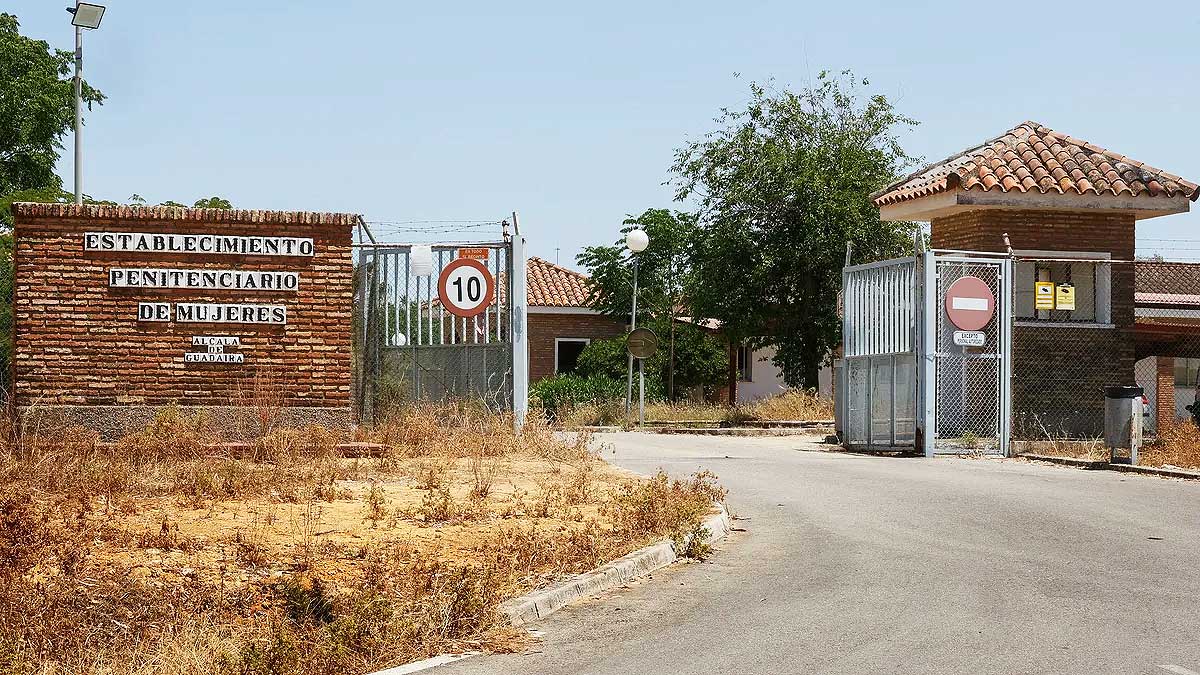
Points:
(541, 604)
(1100, 465)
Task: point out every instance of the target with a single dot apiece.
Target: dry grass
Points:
(1177, 444)
(1086, 448)
(792, 405)
(164, 554)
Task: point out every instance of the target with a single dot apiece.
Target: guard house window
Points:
(1089, 275)
(1187, 372)
(745, 364)
(566, 354)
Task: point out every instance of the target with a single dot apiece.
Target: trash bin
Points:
(1123, 423)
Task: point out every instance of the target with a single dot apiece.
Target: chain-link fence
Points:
(970, 363)
(1082, 323)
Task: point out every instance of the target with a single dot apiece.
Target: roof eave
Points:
(958, 201)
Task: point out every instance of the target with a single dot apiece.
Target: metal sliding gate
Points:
(409, 347)
(909, 377)
(881, 306)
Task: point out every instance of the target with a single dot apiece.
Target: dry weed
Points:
(1177, 444)
(308, 606)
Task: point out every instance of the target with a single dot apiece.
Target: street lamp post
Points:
(636, 241)
(83, 15)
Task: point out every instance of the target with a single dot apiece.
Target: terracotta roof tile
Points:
(1031, 157)
(550, 285)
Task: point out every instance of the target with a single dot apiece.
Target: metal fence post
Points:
(928, 352)
(1006, 319)
(520, 337)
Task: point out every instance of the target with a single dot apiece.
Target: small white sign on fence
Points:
(969, 338)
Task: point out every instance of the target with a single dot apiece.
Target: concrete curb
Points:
(543, 603)
(743, 431)
(1091, 464)
(703, 427)
(426, 664)
(540, 604)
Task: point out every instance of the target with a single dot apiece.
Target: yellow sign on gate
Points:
(1064, 297)
(1043, 297)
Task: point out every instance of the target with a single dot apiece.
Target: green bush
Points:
(700, 360)
(559, 394)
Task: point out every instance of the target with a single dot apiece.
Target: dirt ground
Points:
(165, 540)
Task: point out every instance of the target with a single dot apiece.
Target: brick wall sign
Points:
(149, 306)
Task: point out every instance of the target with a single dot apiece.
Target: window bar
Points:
(441, 305)
(429, 308)
(395, 294)
(407, 302)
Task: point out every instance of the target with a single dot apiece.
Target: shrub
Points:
(559, 394)
(701, 360)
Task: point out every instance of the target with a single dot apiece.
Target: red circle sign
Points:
(970, 303)
(466, 287)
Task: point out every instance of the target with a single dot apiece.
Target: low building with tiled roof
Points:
(552, 285)
(561, 323)
(1034, 166)
(1068, 210)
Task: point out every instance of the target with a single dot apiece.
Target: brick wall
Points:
(544, 327)
(79, 342)
(1164, 388)
(983, 230)
(1059, 372)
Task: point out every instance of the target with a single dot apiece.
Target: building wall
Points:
(1059, 372)
(545, 326)
(79, 342)
(766, 380)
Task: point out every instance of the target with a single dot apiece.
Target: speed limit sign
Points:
(465, 287)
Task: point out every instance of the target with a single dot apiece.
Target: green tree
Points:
(783, 185)
(37, 106)
(700, 360)
(212, 203)
(664, 272)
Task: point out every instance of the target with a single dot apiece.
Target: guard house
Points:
(1067, 211)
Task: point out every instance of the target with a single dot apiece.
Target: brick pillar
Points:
(1164, 384)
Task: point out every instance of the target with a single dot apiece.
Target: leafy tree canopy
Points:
(56, 195)
(212, 203)
(663, 268)
(783, 185)
(37, 106)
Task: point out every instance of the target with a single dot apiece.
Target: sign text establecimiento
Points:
(148, 242)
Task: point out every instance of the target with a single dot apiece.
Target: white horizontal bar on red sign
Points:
(971, 304)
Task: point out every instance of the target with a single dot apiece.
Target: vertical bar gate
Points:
(408, 347)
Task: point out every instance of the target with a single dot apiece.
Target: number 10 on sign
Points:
(466, 287)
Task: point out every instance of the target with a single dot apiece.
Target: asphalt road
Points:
(855, 564)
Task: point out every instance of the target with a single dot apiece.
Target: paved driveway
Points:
(855, 564)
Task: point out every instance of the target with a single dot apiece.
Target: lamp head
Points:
(86, 15)
(637, 240)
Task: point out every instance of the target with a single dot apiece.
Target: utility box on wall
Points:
(121, 310)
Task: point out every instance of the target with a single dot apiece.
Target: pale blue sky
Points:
(569, 112)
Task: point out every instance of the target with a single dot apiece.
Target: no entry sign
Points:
(970, 303)
(466, 287)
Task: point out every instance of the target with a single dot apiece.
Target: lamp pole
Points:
(636, 240)
(83, 15)
(632, 326)
(78, 114)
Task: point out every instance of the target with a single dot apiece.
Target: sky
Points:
(569, 113)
